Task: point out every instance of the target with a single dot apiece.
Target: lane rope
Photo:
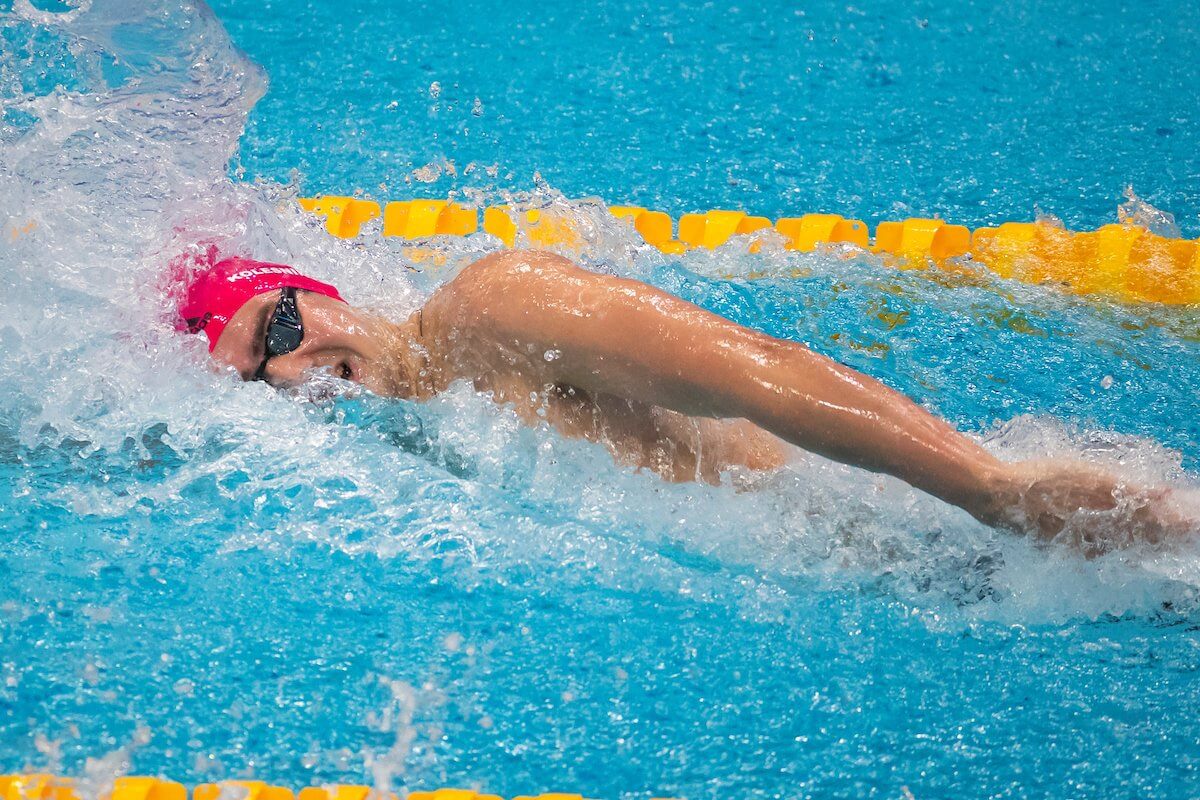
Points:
(44, 786)
(1123, 261)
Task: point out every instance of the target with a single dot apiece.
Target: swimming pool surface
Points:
(208, 580)
(978, 112)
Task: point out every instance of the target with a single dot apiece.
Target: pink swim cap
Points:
(214, 295)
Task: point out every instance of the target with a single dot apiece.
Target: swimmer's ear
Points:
(181, 272)
(197, 324)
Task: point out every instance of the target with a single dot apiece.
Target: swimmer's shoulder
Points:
(512, 268)
(479, 323)
(501, 284)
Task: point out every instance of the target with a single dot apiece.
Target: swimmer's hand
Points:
(1085, 506)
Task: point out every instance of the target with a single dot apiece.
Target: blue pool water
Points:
(980, 112)
(206, 579)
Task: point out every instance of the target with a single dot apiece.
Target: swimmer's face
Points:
(338, 339)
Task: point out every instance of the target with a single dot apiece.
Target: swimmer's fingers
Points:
(1093, 510)
(1176, 512)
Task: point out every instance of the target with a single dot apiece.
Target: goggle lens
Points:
(285, 330)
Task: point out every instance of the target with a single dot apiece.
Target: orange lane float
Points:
(1123, 261)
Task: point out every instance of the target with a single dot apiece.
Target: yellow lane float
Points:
(1125, 261)
(41, 786)
(542, 229)
(713, 229)
(805, 233)
(419, 219)
(241, 790)
(1120, 260)
(344, 216)
(655, 227)
(916, 239)
(36, 786)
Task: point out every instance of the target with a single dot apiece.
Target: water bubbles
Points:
(552, 355)
(1106, 382)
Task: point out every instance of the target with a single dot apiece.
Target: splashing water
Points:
(248, 583)
(1137, 211)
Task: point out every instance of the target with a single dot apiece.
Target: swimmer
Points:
(662, 383)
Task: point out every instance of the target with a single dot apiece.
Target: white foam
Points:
(108, 184)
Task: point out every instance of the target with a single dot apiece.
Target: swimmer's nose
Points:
(288, 370)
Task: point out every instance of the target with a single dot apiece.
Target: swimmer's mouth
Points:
(327, 384)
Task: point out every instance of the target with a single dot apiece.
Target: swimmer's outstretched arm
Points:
(627, 338)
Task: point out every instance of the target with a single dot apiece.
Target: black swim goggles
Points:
(285, 331)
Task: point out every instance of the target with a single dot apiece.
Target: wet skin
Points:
(673, 388)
